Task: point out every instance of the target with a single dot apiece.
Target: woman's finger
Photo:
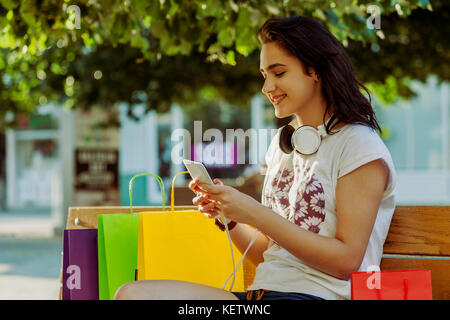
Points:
(207, 207)
(200, 199)
(193, 185)
(211, 214)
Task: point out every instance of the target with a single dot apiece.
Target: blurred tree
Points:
(159, 52)
(411, 48)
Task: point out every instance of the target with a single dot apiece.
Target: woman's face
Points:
(284, 76)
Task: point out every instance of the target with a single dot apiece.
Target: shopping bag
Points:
(187, 246)
(391, 285)
(118, 247)
(80, 265)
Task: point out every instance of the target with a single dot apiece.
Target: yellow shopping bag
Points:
(185, 245)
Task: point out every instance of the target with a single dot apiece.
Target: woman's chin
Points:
(280, 114)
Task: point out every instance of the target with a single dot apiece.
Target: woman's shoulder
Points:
(361, 137)
(361, 144)
(355, 128)
(358, 131)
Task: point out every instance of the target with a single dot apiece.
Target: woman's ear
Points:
(314, 74)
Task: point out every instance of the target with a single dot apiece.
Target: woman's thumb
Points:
(217, 181)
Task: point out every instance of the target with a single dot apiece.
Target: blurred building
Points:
(418, 137)
(33, 161)
(156, 144)
(58, 159)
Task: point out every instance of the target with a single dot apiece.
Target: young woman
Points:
(327, 202)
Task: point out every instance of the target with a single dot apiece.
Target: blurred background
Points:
(95, 92)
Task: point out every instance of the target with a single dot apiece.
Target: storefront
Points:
(32, 161)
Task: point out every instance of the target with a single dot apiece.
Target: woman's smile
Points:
(279, 99)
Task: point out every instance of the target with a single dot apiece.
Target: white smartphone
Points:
(198, 170)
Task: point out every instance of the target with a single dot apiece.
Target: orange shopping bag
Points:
(391, 285)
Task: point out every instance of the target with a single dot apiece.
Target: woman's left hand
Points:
(232, 204)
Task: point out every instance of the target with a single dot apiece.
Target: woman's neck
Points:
(313, 114)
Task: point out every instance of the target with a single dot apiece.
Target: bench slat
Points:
(419, 230)
(440, 277)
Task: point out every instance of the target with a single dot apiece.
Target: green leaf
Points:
(159, 29)
(226, 36)
(272, 9)
(231, 58)
(173, 9)
(10, 15)
(27, 11)
(244, 45)
(243, 18)
(210, 8)
(137, 41)
(9, 4)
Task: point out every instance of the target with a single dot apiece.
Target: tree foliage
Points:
(163, 51)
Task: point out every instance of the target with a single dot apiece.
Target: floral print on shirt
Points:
(308, 211)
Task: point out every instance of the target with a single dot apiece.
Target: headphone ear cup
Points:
(285, 139)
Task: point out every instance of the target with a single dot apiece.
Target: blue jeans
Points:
(274, 295)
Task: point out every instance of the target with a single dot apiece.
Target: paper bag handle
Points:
(172, 194)
(405, 291)
(161, 185)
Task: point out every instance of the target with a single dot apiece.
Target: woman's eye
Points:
(277, 74)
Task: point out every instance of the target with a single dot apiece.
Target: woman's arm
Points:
(242, 234)
(358, 196)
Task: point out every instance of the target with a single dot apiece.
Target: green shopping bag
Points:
(118, 236)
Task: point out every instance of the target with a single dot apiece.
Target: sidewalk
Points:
(30, 257)
(26, 224)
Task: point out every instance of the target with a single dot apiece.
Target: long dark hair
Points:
(316, 47)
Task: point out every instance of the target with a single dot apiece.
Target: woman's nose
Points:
(268, 88)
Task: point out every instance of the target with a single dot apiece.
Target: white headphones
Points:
(304, 140)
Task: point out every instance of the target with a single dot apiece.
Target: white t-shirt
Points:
(303, 190)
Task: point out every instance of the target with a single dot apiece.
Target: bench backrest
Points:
(419, 238)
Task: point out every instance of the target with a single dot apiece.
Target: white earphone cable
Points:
(225, 222)
(255, 236)
(255, 233)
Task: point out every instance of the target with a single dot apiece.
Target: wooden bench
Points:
(419, 238)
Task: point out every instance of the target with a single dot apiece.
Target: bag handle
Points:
(172, 194)
(161, 185)
(405, 291)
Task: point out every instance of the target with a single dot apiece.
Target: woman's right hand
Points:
(201, 200)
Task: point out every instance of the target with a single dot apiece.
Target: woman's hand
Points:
(225, 200)
(201, 200)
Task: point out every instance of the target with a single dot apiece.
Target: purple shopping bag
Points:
(80, 265)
